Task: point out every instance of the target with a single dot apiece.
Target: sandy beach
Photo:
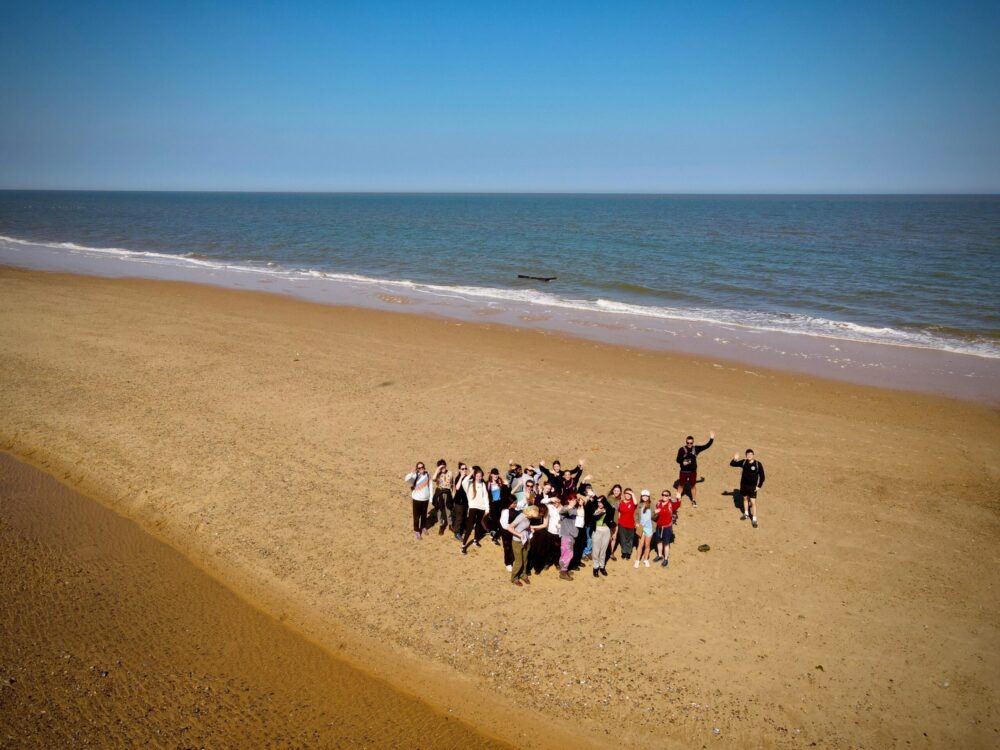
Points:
(266, 438)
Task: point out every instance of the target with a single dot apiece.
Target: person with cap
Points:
(751, 479)
(420, 494)
(687, 459)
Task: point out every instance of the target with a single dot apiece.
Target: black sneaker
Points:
(478, 544)
(464, 550)
(596, 574)
(603, 572)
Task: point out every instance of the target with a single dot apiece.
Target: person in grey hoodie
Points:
(567, 535)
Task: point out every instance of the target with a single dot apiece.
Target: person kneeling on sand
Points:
(420, 493)
(751, 479)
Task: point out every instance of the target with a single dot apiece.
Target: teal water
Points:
(922, 270)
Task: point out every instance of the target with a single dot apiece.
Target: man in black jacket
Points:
(687, 459)
(751, 479)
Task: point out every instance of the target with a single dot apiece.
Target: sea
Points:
(872, 286)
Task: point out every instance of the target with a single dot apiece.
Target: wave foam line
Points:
(788, 323)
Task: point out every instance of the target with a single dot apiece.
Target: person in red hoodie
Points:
(664, 514)
(626, 523)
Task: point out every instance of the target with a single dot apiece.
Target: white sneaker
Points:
(510, 568)
(647, 563)
(636, 564)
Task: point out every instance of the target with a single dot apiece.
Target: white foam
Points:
(751, 321)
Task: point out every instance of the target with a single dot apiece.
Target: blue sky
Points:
(505, 96)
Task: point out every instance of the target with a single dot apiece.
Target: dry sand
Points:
(114, 639)
(266, 438)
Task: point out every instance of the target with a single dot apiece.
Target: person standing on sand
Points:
(521, 528)
(460, 503)
(751, 479)
(614, 498)
(603, 516)
(479, 503)
(562, 481)
(443, 503)
(687, 459)
(626, 523)
(646, 524)
(553, 541)
(567, 535)
(498, 501)
(664, 513)
(420, 494)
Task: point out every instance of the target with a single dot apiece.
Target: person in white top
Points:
(479, 503)
(421, 491)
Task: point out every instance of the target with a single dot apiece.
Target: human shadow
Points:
(737, 499)
(686, 492)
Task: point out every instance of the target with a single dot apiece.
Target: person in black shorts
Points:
(687, 459)
(751, 479)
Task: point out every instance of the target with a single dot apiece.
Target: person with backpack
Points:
(420, 494)
(751, 480)
(687, 459)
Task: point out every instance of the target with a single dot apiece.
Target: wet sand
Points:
(111, 638)
(266, 438)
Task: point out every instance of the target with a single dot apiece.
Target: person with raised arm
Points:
(687, 459)
(567, 534)
(751, 480)
(562, 481)
(420, 494)
(664, 514)
(479, 504)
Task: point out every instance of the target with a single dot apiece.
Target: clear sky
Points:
(502, 96)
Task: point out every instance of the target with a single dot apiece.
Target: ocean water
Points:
(923, 271)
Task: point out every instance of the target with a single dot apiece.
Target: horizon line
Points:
(623, 193)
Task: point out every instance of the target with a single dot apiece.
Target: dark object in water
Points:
(536, 278)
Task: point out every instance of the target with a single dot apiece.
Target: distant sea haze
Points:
(920, 271)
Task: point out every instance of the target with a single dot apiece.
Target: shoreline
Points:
(835, 354)
(148, 609)
(167, 408)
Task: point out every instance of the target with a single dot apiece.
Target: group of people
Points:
(552, 517)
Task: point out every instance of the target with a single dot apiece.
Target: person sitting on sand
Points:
(626, 523)
(443, 501)
(479, 503)
(646, 524)
(751, 479)
(687, 459)
(420, 494)
(664, 513)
